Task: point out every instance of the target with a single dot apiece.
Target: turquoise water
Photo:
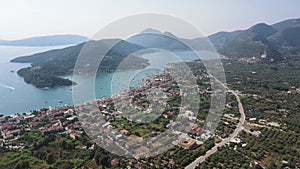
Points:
(17, 97)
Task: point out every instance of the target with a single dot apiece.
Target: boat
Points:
(12, 71)
(60, 101)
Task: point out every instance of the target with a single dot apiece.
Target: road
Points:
(231, 136)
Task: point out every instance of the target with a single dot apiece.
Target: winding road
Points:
(239, 128)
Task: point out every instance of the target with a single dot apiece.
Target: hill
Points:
(54, 40)
(252, 45)
(260, 43)
(47, 67)
(151, 38)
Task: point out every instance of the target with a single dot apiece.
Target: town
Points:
(120, 122)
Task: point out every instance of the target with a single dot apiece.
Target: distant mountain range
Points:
(54, 40)
(260, 43)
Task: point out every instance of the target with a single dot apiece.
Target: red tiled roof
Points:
(114, 162)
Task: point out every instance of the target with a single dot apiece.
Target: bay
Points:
(18, 97)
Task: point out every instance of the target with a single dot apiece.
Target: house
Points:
(139, 165)
(8, 137)
(125, 132)
(188, 143)
(29, 117)
(15, 132)
(53, 129)
(131, 161)
(197, 130)
(205, 135)
(236, 141)
(2, 143)
(231, 115)
(255, 165)
(40, 117)
(262, 121)
(69, 112)
(131, 144)
(65, 123)
(7, 126)
(14, 120)
(2, 120)
(273, 124)
(172, 164)
(71, 118)
(74, 134)
(114, 162)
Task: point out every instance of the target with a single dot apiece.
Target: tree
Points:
(272, 165)
(24, 164)
(97, 157)
(104, 161)
(65, 166)
(50, 159)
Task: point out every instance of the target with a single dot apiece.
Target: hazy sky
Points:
(28, 18)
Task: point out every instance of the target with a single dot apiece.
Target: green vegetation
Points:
(42, 80)
(54, 151)
(270, 94)
(48, 67)
(271, 148)
(269, 91)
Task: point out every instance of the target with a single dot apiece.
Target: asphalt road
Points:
(231, 136)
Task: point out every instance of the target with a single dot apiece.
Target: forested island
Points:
(48, 67)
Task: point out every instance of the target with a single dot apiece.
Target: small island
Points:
(43, 80)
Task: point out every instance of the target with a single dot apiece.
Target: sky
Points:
(21, 19)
